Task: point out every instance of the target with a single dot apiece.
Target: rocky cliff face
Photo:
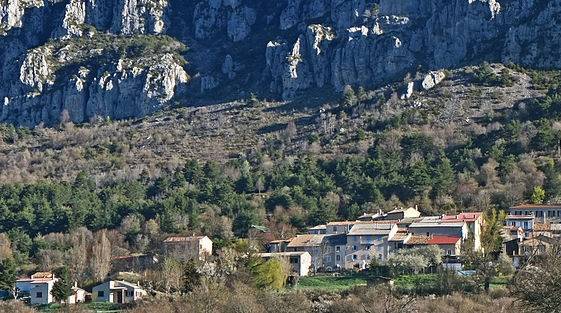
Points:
(60, 55)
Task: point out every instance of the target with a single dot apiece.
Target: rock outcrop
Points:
(282, 48)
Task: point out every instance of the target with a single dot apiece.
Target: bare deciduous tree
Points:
(100, 261)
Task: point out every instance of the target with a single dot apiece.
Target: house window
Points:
(354, 257)
(354, 248)
(338, 257)
(337, 248)
(293, 260)
(334, 229)
(39, 295)
(449, 252)
(101, 294)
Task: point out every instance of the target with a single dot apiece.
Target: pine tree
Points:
(8, 276)
(62, 289)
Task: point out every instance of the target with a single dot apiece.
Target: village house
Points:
(397, 241)
(474, 221)
(434, 225)
(343, 227)
(313, 244)
(368, 241)
(526, 222)
(39, 287)
(300, 262)
(78, 295)
(335, 252)
(401, 213)
(188, 248)
(278, 245)
(542, 212)
(450, 245)
(520, 250)
(119, 292)
(536, 246)
(317, 230)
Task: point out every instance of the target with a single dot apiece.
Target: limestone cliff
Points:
(280, 48)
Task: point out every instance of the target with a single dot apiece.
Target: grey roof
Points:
(306, 241)
(371, 229)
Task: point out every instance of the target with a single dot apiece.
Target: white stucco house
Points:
(116, 291)
(300, 262)
(38, 287)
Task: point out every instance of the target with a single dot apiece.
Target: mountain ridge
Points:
(237, 47)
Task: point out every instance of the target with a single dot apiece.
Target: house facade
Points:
(335, 252)
(300, 262)
(119, 292)
(368, 241)
(401, 213)
(39, 287)
(313, 244)
(526, 222)
(188, 248)
(474, 221)
(451, 246)
(78, 295)
(542, 212)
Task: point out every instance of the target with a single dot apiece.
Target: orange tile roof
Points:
(417, 240)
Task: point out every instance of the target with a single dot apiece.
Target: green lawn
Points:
(331, 283)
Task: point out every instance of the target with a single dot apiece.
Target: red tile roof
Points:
(443, 240)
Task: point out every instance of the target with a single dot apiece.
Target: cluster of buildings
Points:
(355, 244)
(341, 245)
(38, 287)
(530, 230)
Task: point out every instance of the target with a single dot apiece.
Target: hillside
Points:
(458, 110)
(483, 137)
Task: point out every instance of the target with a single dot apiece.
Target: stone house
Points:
(368, 241)
(188, 248)
(315, 245)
